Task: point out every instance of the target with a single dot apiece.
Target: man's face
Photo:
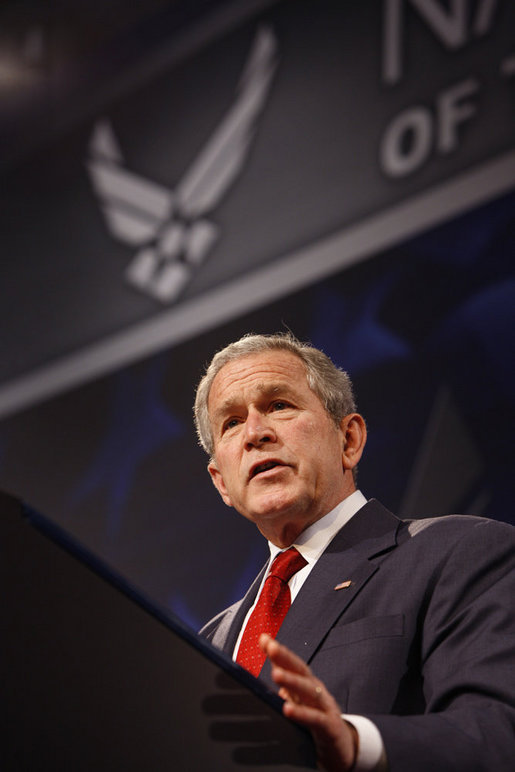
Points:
(278, 454)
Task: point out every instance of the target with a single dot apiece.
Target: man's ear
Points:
(354, 432)
(218, 482)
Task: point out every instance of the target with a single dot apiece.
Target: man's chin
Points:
(272, 508)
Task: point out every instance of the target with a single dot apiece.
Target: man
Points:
(397, 651)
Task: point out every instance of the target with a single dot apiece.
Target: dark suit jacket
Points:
(422, 642)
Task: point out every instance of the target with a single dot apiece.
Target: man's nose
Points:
(258, 429)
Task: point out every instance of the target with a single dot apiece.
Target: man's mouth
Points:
(263, 467)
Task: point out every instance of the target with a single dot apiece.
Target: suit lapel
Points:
(228, 642)
(347, 564)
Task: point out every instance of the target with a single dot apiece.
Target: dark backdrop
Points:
(405, 281)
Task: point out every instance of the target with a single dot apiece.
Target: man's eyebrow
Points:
(265, 389)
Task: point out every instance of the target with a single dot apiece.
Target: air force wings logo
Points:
(169, 228)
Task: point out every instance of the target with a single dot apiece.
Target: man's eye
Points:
(230, 424)
(279, 405)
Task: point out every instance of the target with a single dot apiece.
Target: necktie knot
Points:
(286, 564)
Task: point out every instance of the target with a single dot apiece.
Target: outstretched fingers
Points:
(308, 702)
(282, 656)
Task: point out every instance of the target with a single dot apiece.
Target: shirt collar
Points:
(314, 539)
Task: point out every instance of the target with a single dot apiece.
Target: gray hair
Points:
(331, 384)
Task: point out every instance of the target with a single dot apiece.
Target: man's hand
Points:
(308, 702)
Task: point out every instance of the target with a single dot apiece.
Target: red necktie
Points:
(270, 610)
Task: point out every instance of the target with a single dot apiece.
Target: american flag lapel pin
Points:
(343, 585)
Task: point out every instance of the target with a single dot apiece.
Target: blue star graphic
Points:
(463, 240)
(139, 424)
(350, 332)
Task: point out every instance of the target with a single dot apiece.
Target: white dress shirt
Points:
(311, 544)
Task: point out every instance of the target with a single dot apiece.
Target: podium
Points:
(94, 676)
